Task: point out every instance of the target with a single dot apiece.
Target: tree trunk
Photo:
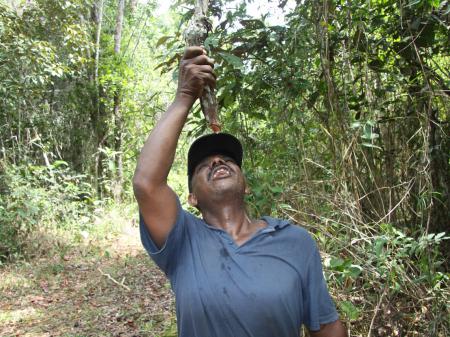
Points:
(97, 116)
(118, 123)
(119, 26)
(99, 21)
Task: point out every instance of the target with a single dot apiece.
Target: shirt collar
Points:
(275, 224)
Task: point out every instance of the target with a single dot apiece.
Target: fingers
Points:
(210, 80)
(197, 55)
(206, 69)
(193, 51)
(200, 60)
(205, 74)
(196, 72)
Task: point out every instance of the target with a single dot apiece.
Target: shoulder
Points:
(292, 233)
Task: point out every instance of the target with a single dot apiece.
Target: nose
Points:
(216, 160)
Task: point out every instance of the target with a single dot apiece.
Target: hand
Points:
(196, 72)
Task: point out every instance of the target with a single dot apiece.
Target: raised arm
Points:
(157, 201)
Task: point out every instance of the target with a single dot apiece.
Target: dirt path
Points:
(95, 289)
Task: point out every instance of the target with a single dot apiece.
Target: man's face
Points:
(216, 176)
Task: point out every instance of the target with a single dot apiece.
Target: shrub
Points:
(40, 197)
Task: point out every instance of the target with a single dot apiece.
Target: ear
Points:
(247, 190)
(192, 200)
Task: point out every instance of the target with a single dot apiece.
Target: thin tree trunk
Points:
(98, 116)
(119, 26)
(99, 18)
(118, 123)
(98, 136)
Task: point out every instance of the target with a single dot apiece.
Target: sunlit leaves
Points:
(231, 59)
(350, 310)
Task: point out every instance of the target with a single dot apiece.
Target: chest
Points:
(217, 273)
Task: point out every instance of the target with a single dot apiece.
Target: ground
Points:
(108, 288)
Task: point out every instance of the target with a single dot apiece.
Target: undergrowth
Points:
(386, 281)
(47, 208)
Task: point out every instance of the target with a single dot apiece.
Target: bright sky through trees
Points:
(254, 8)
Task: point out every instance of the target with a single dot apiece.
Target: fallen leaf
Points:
(44, 286)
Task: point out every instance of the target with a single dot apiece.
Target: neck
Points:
(231, 216)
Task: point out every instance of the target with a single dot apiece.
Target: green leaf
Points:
(413, 3)
(228, 100)
(439, 236)
(286, 207)
(58, 163)
(162, 40)
(371, 146)
(211, 41)
(354, 271)
(336, 262)
(252, 24)
(370, 135)
(378, 247)
(349, 310)
(235, 61)
(276, 189)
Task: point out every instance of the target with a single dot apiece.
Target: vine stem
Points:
(377, 308)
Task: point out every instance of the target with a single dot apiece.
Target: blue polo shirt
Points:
(267, 287)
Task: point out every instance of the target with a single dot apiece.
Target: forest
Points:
(343, 109)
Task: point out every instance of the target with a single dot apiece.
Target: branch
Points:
(195, 35)
(112, 279)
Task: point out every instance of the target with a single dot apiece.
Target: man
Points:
(232, 276)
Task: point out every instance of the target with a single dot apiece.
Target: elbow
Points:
(141, 186)
(144, 186)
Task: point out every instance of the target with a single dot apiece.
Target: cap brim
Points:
(216, 143)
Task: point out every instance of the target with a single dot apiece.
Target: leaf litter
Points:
(108, 288)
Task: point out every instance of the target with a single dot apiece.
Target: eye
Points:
(200, 167)
(229, 160)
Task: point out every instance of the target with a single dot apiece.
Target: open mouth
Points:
(218, 172)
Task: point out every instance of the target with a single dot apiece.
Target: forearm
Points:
(335, 329)
(158, 153)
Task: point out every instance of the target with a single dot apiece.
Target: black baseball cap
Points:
(215, 143)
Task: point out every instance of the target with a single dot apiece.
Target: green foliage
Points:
(171, 331)
(383, 265)
(38, 198)
(45, 52)
(349, 310)
(264, 193)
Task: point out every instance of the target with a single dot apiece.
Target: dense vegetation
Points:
(343, 111)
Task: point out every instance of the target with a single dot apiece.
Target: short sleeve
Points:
(166, 258)
(318, 307)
